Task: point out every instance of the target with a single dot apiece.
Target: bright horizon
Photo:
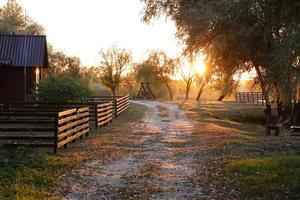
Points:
(82, 28)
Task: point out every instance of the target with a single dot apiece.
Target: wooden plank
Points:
(65, 134)
(28, 114)
(19, 121)
(104, 109)
(105, 122)
(104, 105)
(67, 119)
(104, 118)
(67, 112)
(26, 137)
(49, 145)
(70, 125)
(81, 115)
(73, 137)
(81, 110)
(104, 113)
(35, 129)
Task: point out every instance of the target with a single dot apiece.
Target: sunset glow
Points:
(199, 66)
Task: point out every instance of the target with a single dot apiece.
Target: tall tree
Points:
(14, 20)
(187, 74)
(164, 67)
(114, 62)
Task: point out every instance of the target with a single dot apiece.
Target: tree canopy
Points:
(14, 20)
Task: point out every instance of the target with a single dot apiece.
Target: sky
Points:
(83, 27)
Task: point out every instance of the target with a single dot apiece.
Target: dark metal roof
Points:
(23, 50)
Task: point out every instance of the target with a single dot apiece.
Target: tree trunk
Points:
(169, 88)
(268, 115)
(201, 90)
(221, 97)
(199, 95)
(113, 91)
(187, 91)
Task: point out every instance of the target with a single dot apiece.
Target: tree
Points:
(163, 66)
(114, 62)
(14, 20)
(62, 64)
(187, 76)
(203, 81)
(240, 35)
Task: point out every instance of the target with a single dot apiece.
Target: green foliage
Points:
(263, 177)
(25, 174)
(13, 20)
(61, 88)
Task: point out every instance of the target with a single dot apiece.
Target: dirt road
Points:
(163, 163)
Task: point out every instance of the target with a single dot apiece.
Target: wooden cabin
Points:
(22, 61)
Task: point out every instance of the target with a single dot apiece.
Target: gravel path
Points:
(162, 164)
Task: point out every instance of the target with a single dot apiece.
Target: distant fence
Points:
(250, 98)
(120, 103)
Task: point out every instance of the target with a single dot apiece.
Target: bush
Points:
(61, 88)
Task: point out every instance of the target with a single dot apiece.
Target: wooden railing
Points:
(36, 128)
(71, 124)
(43, 128)
(56, 107)
(120, 103)
(250, 98)
(104, 113)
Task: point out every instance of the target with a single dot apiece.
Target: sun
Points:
(199, 66)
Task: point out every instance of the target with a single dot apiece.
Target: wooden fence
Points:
(56, 107)
(250, 98)
(120, 103)
(44, 129)
(70, 125)
(104, 113)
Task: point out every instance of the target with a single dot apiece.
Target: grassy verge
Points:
(268, 177)
(25, 174)
(268, 166)
(244, 113)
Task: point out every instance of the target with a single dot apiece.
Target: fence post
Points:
(55, 133)
(96, 115)
(116, 107)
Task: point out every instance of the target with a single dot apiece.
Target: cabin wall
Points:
(12, 83)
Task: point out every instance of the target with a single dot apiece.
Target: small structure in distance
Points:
(145, 92)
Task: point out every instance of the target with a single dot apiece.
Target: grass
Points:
(268, 177)
(25, 174)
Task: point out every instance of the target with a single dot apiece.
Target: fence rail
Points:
(250, 98)
(71, 124)
(104, 113)
(120, 103)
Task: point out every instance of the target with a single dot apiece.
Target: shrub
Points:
(61, 88)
